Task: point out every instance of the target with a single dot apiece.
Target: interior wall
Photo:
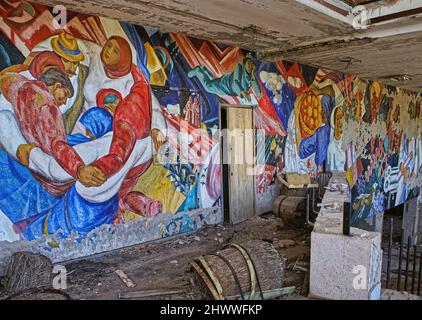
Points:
(159, 151)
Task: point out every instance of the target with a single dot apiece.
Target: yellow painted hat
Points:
(66, 46)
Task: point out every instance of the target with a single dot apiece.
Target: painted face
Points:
(338, 120)
(250, 67)
(375, 92)
(59, 93)
(110, 54)
(111, 107)
(70, 67)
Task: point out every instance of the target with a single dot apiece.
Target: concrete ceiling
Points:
(317, 32)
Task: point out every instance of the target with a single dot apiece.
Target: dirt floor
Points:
(165, 265)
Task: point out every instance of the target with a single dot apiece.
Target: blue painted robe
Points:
(35, 212)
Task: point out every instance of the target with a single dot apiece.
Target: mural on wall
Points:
(87, 138)
(104, 122)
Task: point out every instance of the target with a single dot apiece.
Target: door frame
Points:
(223, 200)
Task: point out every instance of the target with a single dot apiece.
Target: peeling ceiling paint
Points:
(296, 31)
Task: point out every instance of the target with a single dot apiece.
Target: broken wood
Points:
(247, 270)
(299, 268)
(39, 294)
(270, 294)
(27, 270)
(305, 285)
(126, 280)
(151, 293)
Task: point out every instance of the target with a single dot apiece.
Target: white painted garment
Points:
(292, 161)
(206, 200)
(89, 152)
(336, 157)
(6, 229)
(142, 152)
(97, 80)
(10, 133)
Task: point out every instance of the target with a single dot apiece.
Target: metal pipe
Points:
(390, 244)
(414, 268)
(400, 255)
(313, 201)
(420, 274)
(407, 262)
(346, 218)
(307, 209)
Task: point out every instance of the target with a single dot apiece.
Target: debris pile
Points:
(28, 276)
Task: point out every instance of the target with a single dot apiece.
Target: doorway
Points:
(238, 162)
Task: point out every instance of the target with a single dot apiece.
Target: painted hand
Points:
(91, 176)
(158, 138)
(23, 152)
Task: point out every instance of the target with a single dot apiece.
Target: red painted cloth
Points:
(132, 122)
(127, 186)
(140, 204)
(43, 61)
(40, 119)
(103, 93)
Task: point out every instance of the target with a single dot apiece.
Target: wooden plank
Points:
(240, 150)
(151, 293)
(127, 281)
(268, 294)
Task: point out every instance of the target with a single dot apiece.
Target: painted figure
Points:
(336, 157)
(237, 83)
(112, 67)
(4, 58)
(97, 122)
(67, 48)
(191, 111)
(35, 105)
(109, 99)
(314, 110)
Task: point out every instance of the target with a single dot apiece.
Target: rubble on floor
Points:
(162, 270)
(396, 295)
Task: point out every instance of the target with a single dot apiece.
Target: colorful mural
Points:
(103, 122)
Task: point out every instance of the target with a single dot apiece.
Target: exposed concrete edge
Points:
(111, 237)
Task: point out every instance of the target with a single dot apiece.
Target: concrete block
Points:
(346, 268)
(343, 267)
(326, 273)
